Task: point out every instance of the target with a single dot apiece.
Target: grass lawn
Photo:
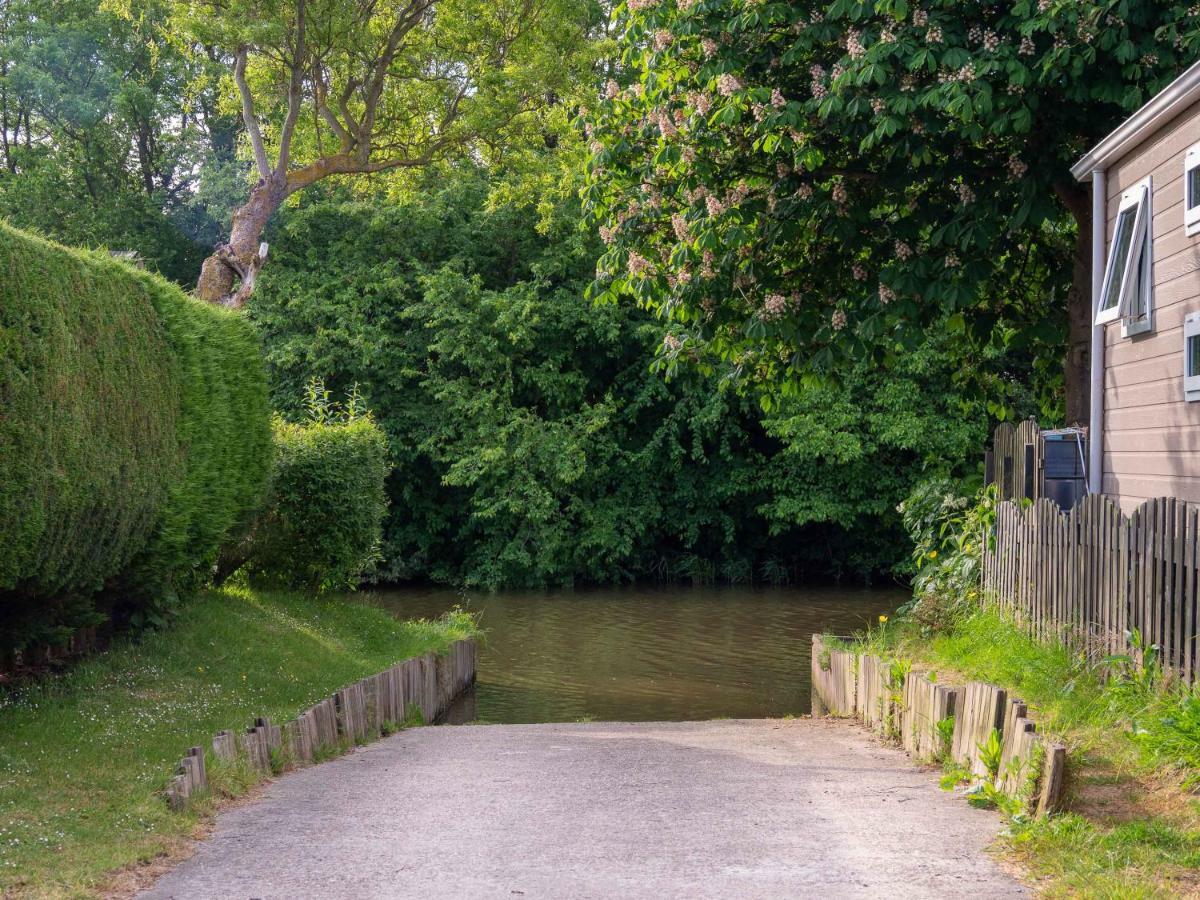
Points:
(1132, 827)
(84, 757)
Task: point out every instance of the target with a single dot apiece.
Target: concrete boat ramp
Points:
(721, 809)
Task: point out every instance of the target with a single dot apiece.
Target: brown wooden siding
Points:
(1151, 434)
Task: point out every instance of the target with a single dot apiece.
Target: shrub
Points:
(134, 434)
(948, 531)
(324, 521)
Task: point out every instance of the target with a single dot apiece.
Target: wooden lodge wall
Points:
(1091, 577)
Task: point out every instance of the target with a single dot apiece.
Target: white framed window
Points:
(1138, 318)
(1191, 190)
(1127, 274)
(1191, 357)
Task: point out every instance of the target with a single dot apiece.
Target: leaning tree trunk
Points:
(228, 275)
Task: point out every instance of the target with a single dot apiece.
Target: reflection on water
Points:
(646, 654)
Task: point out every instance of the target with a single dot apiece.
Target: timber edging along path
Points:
(915, 711)
(353, 715)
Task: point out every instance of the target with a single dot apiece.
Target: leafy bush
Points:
(135, 433)
(324, 522)
(949, 531)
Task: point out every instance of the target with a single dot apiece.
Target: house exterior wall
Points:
(1151, 435)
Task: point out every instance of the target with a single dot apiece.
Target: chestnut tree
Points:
(798, 185)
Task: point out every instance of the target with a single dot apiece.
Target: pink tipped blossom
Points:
(637, 265)
(727, 85)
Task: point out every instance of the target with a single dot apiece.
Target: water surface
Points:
(646, 654)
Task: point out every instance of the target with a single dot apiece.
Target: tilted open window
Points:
(1191, 357)
(1191, 191)
(1126, 292)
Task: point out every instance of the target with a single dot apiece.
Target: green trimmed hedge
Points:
(134, 433)
(324, 523)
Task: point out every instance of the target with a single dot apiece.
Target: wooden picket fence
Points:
(1093, 577)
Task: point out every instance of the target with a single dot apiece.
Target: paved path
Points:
(754, 809)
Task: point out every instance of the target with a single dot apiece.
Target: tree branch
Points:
(405, 22)
(251, 121)
(295, 91)
(352, 164)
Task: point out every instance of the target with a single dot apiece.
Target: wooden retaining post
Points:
(873, 699)
(983, 712)
(926, 705)
(190, 778)
(1054, 773)
(817, 678)
(1021, 744)
(224, 744)
(297, 738)
(837, 684)
(350, 704)
(253, 745)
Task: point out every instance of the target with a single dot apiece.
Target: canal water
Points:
(646, 654)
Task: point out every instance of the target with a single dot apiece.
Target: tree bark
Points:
(1077, 364)
(236, 262)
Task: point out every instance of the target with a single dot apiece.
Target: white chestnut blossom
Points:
(727, 85)
(638, 265)
(680, 226)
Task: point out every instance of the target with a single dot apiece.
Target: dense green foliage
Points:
(797, 185)
(135, 434)
(324, 520)
(84, 756)
(532, 444)
(112, 136)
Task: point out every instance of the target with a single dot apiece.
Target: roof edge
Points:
(1164, 106)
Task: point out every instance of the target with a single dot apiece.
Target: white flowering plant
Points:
(883, 165)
